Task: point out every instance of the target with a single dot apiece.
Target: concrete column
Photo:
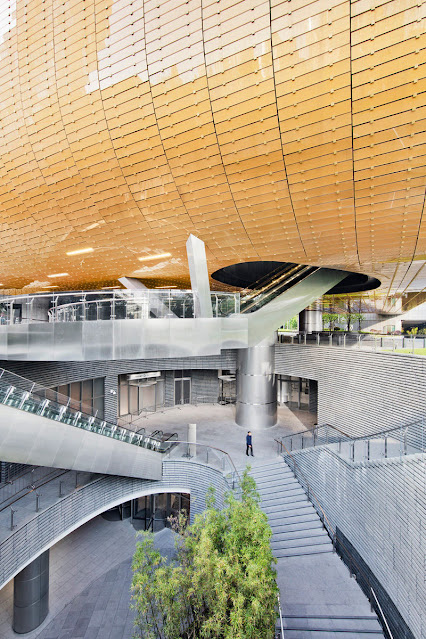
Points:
(31, 595)
(310, 320)
(256, 386)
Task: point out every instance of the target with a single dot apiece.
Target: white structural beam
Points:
(199, 274)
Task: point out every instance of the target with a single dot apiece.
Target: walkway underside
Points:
(27, 438)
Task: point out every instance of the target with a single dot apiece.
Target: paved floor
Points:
(90, 569)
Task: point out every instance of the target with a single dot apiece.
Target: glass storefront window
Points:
(152, 512)
(88, 395)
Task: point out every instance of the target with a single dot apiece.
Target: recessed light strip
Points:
(168, 286)
(58, 275)
(80, 251)
(154, 257)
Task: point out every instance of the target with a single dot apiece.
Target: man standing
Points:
(249, 445)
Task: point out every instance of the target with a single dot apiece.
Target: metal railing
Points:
(338, 545)
(354, 341)
(399, 441)
(112, 305)
(26, 482)
(209, 455)
(31, 402)
(27, 541)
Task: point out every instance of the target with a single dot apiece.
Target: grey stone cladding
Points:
(56, 373)
(380, 507)
(358, 391)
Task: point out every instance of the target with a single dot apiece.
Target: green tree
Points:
(413, 331)
(358, 317)
(222, 584)
(329, 319)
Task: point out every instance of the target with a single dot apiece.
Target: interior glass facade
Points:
(138, 396)
(153, 512)
(88, 395)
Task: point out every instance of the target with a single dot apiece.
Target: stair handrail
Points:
(381, 613)
(281, 616)
(379, 433)
(326, 523)
(223, 452)
(315, 429)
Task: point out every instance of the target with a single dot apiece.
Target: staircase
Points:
(296, 527)
(330, 605)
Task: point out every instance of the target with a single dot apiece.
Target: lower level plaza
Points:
(90, 569)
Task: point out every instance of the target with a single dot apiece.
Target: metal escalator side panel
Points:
(263, 322)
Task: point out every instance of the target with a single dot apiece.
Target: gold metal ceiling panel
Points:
(294, 131)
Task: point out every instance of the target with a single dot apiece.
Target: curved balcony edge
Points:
(45, 529)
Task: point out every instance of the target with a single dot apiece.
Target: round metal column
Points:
(310, 320)
(256, 387)
(31, 595)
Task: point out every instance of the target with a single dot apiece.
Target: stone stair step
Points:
(299, 534)
(304, 542)
(281, 505)
(276, 491)
(327, 634)
(302, 526)
(304, 550)
(277, 482)
(293, 510)
(333, 623)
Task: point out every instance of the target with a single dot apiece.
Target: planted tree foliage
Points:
(221, 584)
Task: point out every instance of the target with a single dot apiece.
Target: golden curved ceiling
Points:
(278, 130)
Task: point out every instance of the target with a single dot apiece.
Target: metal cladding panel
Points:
(40, 340)
(31, 439)
(129, 338)
(259, 360)
(255, 416)
(17, 341)
(234, 331)
(157, 338)
(256, 389)
(97, 340)
(68, 341)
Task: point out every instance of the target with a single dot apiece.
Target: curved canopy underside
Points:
(282, 131)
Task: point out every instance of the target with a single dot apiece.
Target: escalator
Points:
(35, 429)
(268, 287)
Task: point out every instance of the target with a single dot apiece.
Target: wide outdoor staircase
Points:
(297, 531)
(296, 527)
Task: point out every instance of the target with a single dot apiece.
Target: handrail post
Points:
(368, 450)
(353, 451)
(386, 447)
(304, 337)
(12, 519)
(359, 342)
(330, 339)
(318, 339)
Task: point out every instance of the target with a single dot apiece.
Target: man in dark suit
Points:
(249, 444)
